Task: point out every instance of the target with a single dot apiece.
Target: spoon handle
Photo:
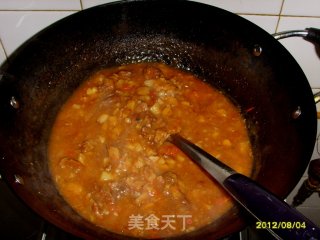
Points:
(273, 214)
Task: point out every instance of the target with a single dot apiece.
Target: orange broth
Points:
(111, 162)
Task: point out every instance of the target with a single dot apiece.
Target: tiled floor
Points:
(20, 19)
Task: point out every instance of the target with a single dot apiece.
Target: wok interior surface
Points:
(213, 44)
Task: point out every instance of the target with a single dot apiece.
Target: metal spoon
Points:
(281, 220)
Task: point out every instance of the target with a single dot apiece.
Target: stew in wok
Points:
(111, 162)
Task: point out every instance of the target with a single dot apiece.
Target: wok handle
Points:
(313, 35)
(273, 214)
(310, 34)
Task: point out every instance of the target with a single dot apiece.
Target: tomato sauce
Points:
(111, 162)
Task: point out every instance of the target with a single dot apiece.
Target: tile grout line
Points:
(279, 16)
(4, 50)
(274, 15)
(81, 4)
(302, 16)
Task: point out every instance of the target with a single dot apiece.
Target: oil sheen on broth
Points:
(110, 161)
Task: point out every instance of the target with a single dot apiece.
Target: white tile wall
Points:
(91, 3)
(20, 19)
(303, 51)
(301, 8)
(40, 5)
(266, 22)
(271, 7)
(18, 26)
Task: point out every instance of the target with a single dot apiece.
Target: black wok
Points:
(219, 47)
